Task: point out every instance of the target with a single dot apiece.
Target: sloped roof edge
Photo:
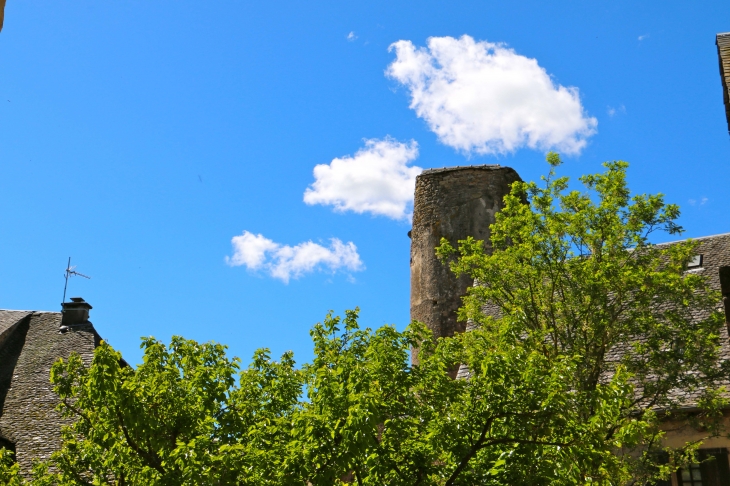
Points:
(723, 53)
(30, 311)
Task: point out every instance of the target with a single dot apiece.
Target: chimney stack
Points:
(75, 312)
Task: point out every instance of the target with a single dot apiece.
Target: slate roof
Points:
(715, 251)
(723, 53)
(30, 342)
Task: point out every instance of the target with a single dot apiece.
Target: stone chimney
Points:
(75, 312)
(452, 203)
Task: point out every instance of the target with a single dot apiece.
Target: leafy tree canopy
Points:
(585, 336)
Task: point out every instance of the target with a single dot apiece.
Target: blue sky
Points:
(141, 137)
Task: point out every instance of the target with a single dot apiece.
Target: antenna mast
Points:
(69, 273)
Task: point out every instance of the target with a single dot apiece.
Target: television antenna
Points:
(70, 272)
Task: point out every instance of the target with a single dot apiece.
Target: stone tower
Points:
(453, 203)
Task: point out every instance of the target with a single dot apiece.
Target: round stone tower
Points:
(452, 203)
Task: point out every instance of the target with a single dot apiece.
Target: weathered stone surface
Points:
(452, 203)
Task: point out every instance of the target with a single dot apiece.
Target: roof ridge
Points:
(31, 311)
(699, 237)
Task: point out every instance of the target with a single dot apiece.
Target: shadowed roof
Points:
(723, 53)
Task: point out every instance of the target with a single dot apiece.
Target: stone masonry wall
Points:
(453, 203)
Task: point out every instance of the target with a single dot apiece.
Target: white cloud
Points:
(377, 179)
(481, 97)
(351, 36)
(642, 37)
(614, 111)
(702, 201)
(256, 252)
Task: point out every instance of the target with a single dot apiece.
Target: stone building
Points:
(453, 203)
(30, 342)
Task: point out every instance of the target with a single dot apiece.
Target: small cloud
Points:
(614, 111)
(642, 37)
(484, 98)
(351, 36)
(256, 252)
(377, 179)
(701, 202)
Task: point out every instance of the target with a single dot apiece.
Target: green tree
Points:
(178, 418)
(9, 470)
(574, 279)
(584, 333)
